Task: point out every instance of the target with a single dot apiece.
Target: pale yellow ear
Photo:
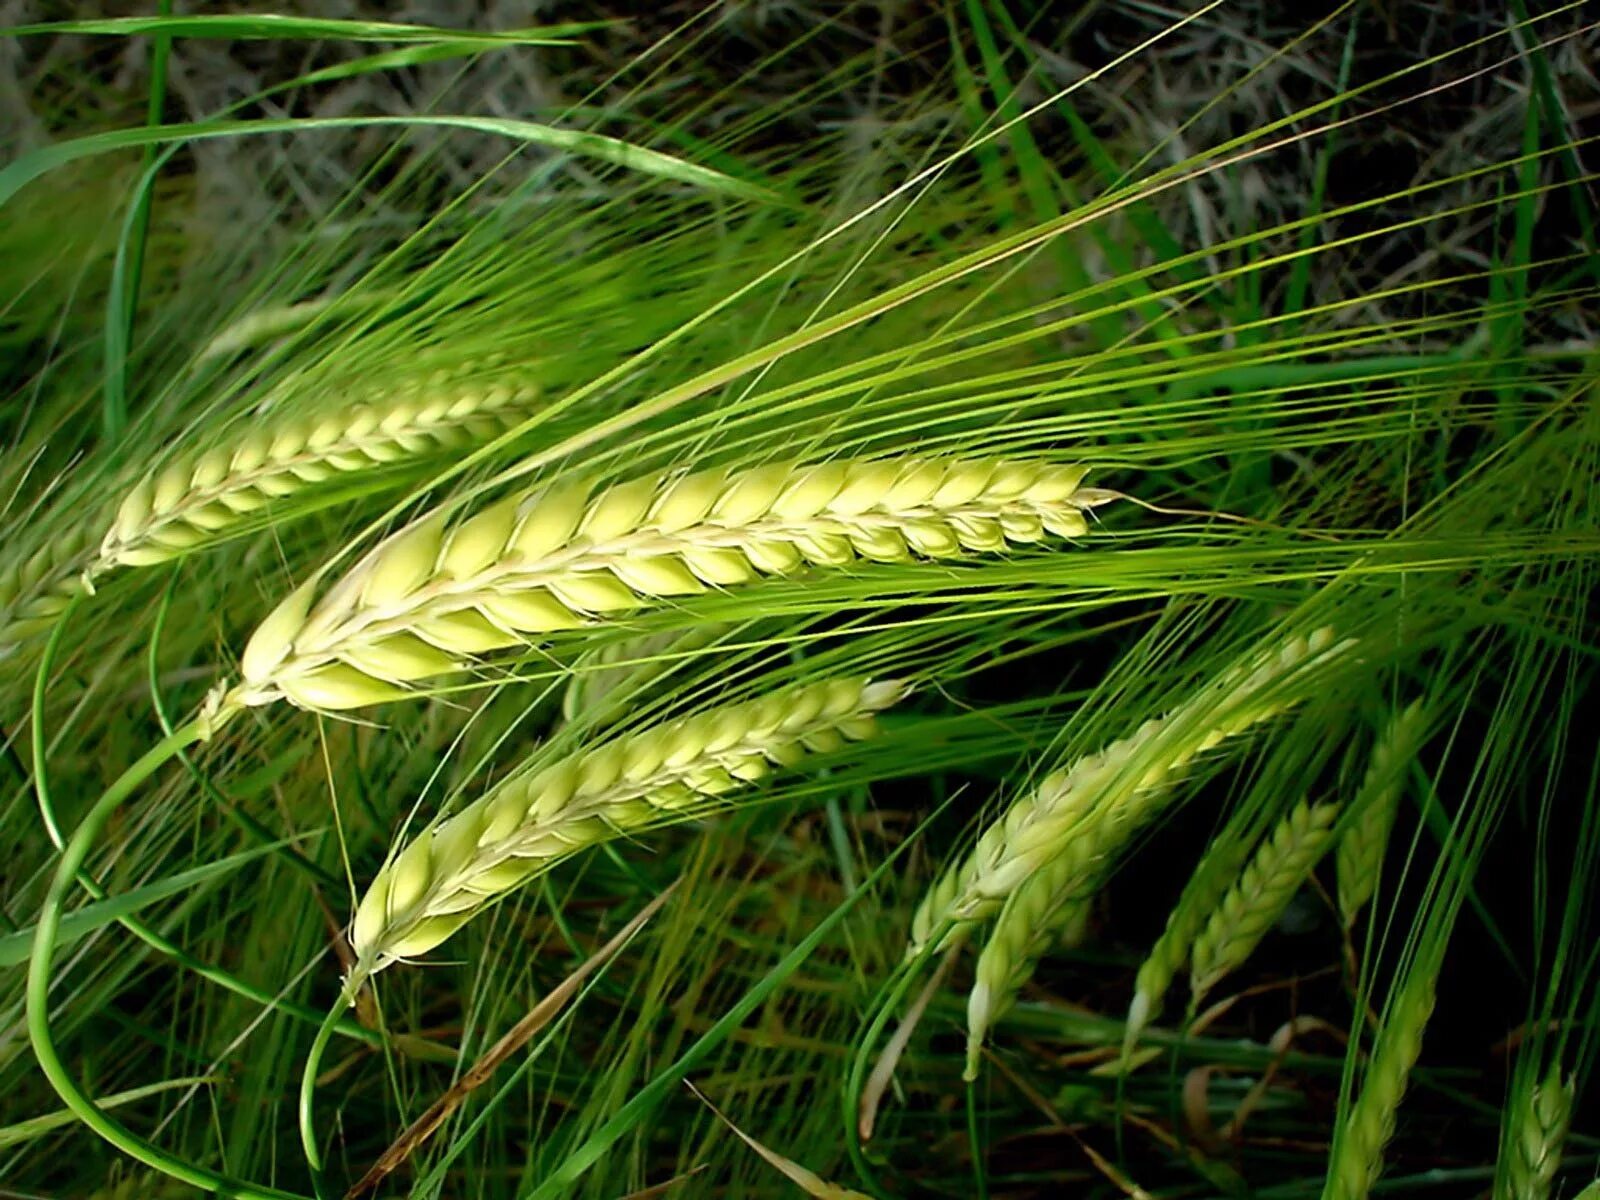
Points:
(546, 811)
(431, 598)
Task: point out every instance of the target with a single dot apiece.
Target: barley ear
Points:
(1051, 905)
(36, 591)
(1357, 1157)
(1537, 1129)
(1215, 875)
(1258, 898)
(441, 594)
(1358, 857)
(201, 496)
(1128, 779)
(542, 814)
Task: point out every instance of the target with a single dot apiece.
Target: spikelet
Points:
(35, 592)
(1217, 872)
(605, 678)
(1129, 778)
(1254, 903)
(197, 498)
(1537, 1130)
(1357, 1157)
(436, 597)
(538, 816)
(1358, 857)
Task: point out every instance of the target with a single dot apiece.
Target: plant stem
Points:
(308, 1089)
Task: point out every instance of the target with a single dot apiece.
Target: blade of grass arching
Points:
(35, 163)
(125, 300)
(643, 1102)
(14, 947)
(276, 26)
(151, 937)
(1300, 275)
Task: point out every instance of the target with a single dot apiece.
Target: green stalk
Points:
(308, 1090)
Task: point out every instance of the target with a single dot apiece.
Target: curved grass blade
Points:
(591, 145)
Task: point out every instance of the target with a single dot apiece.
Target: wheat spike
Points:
(192, 501)
(1591, 1192)
(1130, 776)
(1254, 903)
(1357, 1157)
(435, 597)
(1538, 1128)
(1358, 857)
(1217, 872)
(539, 815)
(35, 592)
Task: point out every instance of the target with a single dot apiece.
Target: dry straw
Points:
(438, 595)
(1358, 857)
(539, 815)
(196, 498)
(1073, 812)
(1262, 892)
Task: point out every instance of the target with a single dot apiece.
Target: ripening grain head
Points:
(541, 814)
(439, 595)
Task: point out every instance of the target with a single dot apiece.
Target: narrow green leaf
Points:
(15, 947)
(37, 1127)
